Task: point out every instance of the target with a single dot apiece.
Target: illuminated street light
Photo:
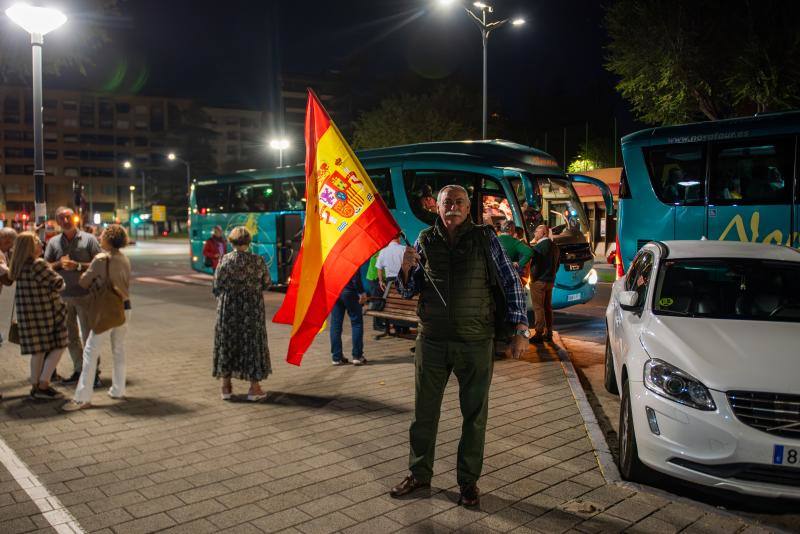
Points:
(485, 27)
(280, 145)
(132, 188)
(172, 157)
(129, 165)
(37, 21)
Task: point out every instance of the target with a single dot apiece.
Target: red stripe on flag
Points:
(317, 123)
(344, 259)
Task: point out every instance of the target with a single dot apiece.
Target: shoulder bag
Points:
(13, 328)
(106, 305)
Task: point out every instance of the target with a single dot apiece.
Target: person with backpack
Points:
(543, 275)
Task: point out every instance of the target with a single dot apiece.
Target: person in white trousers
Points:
(118, 267)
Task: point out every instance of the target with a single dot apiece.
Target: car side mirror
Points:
(627, 300)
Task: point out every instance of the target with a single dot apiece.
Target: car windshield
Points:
(745, 289)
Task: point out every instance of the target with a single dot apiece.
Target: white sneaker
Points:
(360, 361)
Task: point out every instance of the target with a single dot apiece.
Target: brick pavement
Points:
(318, 456)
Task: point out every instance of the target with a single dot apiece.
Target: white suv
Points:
(704, 347)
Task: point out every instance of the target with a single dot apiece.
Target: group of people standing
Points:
(539, 263)
(54, 308)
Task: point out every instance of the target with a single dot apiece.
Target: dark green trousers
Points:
(472, 364)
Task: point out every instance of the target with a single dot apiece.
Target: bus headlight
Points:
(591, 277)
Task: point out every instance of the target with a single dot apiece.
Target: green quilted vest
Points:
(461, 274)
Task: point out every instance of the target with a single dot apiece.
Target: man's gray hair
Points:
(448, 187)
(8, 233)
(62, 209)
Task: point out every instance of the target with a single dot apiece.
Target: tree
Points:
(69, 48)
(597, 154)
(686, 59)
(445, 114)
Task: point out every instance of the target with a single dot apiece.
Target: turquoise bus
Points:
(733, 180)
(505, 181)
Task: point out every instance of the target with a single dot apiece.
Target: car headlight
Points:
(670, 382)
(591, 277)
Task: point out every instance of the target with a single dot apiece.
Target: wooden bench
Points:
(396, 311)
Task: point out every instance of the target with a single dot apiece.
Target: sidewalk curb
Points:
(608, 467)
(601, 450)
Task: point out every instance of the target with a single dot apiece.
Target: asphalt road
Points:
(584, 329)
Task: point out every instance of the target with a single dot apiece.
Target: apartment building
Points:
(240, 135)
(88, 136)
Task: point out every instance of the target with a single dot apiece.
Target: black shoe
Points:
(537, 339)
(407, 486)
(71, 379)
(470, 495)
(47, 394)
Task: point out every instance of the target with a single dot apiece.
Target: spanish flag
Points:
(346, 223)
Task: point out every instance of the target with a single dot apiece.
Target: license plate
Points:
(574, 296)
(573, 266)
(788, 456)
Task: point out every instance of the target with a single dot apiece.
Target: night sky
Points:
(229, 53)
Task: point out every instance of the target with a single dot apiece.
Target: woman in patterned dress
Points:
(41, 314)
(240, 335)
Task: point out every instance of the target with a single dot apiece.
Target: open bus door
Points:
(289, 236)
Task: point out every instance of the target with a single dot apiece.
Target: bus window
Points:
(382, 180)
(423, 188)
(758, 171)
(211, 198)
(251, 197)
(678, 173)
(291, 195)
(495, 206)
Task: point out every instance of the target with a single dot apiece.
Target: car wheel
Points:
(610, 377)
(630, 467)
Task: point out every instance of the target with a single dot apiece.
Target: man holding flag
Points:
(346, 223)
(455, 266)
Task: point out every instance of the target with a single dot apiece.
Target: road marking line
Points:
(157, 281)
(52, 510)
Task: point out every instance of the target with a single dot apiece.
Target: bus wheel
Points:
(610, 377)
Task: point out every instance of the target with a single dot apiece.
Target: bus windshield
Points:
(559, 206)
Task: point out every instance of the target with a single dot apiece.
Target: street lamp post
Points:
(485, 27)
(172, 157)
(37, 21)
(132, 188)
(280, 145)
(128, 165)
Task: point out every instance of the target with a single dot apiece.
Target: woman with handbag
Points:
(240, 335)
(41, 315)
(108, 277)
(214, 248)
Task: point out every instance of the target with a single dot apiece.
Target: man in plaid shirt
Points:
(458, 259)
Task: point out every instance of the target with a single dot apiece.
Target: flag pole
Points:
(425, 271)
